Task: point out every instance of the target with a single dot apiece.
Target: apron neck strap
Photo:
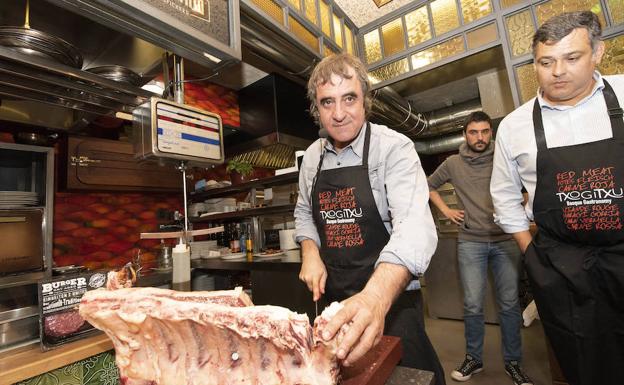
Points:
(367, 136)
(613, 109)
(538, 127)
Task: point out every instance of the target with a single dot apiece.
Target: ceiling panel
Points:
(362, 12)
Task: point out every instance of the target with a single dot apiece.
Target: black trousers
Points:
(579, 294)
(406, 320)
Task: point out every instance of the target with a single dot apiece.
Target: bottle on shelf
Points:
(243, 238)
(234, 239)
(222, 237)
(249, 240)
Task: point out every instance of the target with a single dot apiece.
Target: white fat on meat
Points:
(166, 337)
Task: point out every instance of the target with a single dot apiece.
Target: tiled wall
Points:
(96, 370)
(102, 230)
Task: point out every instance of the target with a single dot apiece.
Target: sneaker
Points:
(513, 370)
(469, 367)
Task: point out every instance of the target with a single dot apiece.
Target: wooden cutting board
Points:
(376, 366)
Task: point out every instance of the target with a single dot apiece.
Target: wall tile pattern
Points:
(438, 52)
(303, 34)
(272, 9)
(475, 9)
(444, 14)
(393, 37)
(310, 11)
(613, 59)
(337, 30)
(372, 46)
(509, 3)
(389, 71)
(296, 4)
(417, 26)
(349, 40)
(325, 18)
(546, 10)
(520, 30)
(616, 9)
(481, 36)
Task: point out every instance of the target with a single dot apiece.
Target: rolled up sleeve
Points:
(304, 222)
(413, 239)
(506, 190)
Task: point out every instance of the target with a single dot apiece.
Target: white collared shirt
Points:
(516, 149)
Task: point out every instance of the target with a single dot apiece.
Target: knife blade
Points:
(315, 309)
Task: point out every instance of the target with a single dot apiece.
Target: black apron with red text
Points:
(575, 262)
(350, 227)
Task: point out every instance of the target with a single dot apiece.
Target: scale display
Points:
(171, 130)
(181, 131)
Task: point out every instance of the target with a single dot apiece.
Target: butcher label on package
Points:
(59, 297)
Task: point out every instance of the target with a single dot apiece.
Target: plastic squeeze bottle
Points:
(181, 257)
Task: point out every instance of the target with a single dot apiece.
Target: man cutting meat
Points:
(363, 221)
(565, 147)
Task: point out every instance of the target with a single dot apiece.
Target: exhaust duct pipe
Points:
(439, 145)
(390, 109)
(450, 119)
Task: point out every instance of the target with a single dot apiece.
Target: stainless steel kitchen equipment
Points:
(41, 44)
(118, 74)
(19, 316)
(27, 186)
(26, 198)
(22, 235)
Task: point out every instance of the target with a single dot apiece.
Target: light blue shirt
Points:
(516, 149)
(399, 187)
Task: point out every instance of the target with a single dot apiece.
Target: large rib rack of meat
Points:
(167, 337)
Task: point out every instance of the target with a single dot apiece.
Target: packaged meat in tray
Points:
(59, 297)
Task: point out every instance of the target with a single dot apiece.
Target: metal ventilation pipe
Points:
(450, 119)
(439, 145)
(390, 109)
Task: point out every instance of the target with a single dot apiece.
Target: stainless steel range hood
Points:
(274, 123)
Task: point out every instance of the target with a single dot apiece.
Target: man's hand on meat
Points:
(313, 271)
(365, 316)
(366, 311)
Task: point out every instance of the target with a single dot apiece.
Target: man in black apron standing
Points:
(363, 221)
(567, 148)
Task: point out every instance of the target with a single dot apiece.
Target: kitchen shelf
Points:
(252, 214)
(269, 210)
(278, 180)
(33, 78)
(22, 279)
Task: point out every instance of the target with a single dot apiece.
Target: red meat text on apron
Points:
(589, 199)
(340, 212)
